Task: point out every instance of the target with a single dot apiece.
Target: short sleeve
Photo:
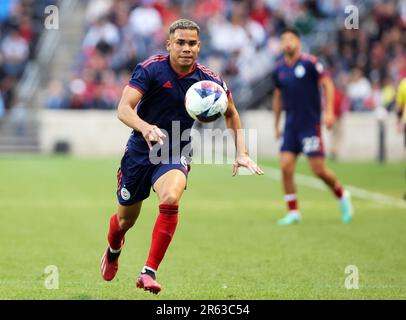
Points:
(319, 69)
(140, 79)
(275, 79)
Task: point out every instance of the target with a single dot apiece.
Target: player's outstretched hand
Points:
(152, 133)
(247, 162)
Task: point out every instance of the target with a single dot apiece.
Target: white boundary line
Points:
(312, 182)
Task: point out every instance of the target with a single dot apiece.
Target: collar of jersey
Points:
(181, 76)
(294, 62)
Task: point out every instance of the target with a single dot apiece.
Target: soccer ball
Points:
(206, 101)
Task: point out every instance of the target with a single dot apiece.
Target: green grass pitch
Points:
(55, 211)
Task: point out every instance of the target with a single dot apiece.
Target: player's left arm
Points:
(233, 122)
(328, 88)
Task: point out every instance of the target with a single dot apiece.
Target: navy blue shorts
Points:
(134, 180)
(308, 141)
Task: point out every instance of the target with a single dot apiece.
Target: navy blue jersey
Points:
(299, 84)
(163, 100)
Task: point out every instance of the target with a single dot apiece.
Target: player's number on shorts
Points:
(311, 144)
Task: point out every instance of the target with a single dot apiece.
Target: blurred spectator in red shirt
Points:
(341, 105)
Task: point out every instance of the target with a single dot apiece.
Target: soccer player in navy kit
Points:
(157, 90)
(297, 77)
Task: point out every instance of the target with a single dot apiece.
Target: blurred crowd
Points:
(240, 42)
(21, 23)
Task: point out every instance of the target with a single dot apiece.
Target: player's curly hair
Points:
(184, 24)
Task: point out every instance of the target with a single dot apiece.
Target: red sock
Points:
(116, 234)
(338, 190)
(291, 201)
(162, 234)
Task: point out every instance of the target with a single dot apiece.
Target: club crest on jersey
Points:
(300, 71)
(125, 194)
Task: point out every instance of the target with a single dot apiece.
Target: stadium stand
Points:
(102, 41)
(21, 23)
(240, 42)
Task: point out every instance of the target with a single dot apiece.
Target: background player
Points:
(297, 77)
(157, 90)
(401, 111)
(401, 107)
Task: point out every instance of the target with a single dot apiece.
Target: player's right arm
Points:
(127, 114)
(277, 110)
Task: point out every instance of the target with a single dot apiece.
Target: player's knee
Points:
(126, 223)
(287, 169)
(319, 172)
(169, 197)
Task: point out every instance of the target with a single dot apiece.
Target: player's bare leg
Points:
(120, 223)
(319, 168)
(169, 188)
(288, 164)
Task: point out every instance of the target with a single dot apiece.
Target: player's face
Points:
(290, 43)
(183, 46)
